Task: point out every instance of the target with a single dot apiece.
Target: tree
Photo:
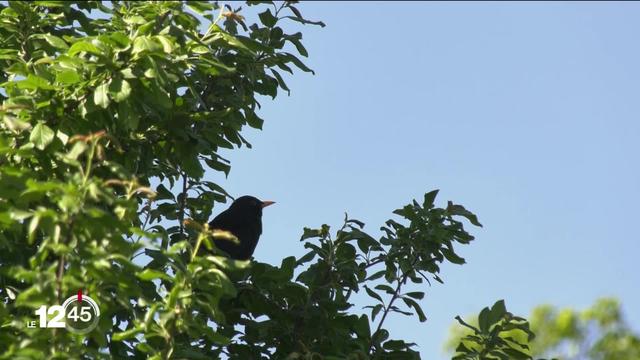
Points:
(111, 113)
(597, 333)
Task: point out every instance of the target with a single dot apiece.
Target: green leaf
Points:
(465, 324)
(33, 226)
(373, 294)
(68, 77)
(100, 97)
(234, 42)
(41, 136)
(150, 274)
(310, 233)
(395, 345)
(380, 336)
(145, 44)
(516, 354)
(365, 241)
(378, 274)
(306, 258)
(498, 311)
(77, 149)
(483, 320)
(83, 46)
(127, 116)
(163, 193)
(201, 7)
(167, 44)
(9, 54)
(56, 41)
(51, 4)
(345, 252)
(375, 310)
(454, 209)
(386, 288)
(297, 62)
(20, 215)
(127, 334)
(452, 256)
(298, 17)
(416, 295)
(218, 165)
(429, 198)
(119, 89)
(361, 327)
(412, 303)
(267, 18)
(298, 44)
(34, 82)
(288, 265)
(120, 38)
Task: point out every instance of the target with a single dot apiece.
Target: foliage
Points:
(498, 335)
(310, 317)
(111, 113)
(598, 333)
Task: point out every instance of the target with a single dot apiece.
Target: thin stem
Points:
(147, 210)
(279, 9)
(87, 170)
(197, 247)
(386, 312)
(402, 280)
(183, 202)
(375, 262)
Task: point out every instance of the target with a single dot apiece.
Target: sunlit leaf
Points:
(41, 136)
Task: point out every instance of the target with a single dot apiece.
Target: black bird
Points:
(244, 220)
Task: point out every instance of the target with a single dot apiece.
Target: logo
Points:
(78, 314)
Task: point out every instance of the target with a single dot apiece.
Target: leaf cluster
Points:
(304, 309)
(111, 113)
(499, 335)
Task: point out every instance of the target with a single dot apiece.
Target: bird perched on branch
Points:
(244, 220)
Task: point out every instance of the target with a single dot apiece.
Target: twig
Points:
(374, 262)
(387, 308)
(183, 202)
(147, 210)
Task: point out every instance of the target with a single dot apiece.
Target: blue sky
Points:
(526, 113)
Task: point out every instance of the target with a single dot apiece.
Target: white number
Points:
(85, 315)
(55, 321)
(73, 314)
(42, 312)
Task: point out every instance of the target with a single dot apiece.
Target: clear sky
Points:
(526, 113)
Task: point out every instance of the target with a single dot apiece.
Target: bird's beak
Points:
(267, 203)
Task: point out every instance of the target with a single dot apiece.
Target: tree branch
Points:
(183, 202)
(402, 281)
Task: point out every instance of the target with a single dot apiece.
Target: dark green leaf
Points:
(373, 294)
(267, 18)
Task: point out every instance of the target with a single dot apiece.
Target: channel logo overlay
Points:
(78, 314)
